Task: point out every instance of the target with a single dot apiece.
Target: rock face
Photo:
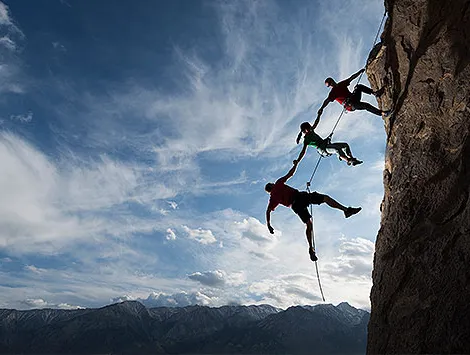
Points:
(131, 328)
(421, 279)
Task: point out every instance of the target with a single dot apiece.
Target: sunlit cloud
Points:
(202, 236)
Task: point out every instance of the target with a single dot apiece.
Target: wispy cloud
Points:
(8, 43)
(5, 18)
(47, 206)
(11, 78)
(23, 118)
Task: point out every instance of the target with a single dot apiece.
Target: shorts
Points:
(301, 202)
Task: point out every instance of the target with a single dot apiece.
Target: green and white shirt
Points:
(315, 140)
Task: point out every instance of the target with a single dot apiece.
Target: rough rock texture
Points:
(421, 279)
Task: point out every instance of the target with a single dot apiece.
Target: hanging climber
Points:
(351, 101)
(299, 202)
(324, 146)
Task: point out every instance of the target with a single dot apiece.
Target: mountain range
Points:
(130, 327)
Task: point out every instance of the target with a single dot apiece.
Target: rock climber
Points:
(324, 146)
(351, 101)
(281, 193)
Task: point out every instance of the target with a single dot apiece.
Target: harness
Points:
(322, 151)
(348, 103)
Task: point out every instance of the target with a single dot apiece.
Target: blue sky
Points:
(136, 140)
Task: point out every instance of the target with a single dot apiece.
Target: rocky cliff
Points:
(421, 279)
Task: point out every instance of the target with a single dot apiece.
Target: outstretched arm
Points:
(320, 110)
(354, 76)
(290, 173)
(315, 124)
(301, 155)
(268, 220)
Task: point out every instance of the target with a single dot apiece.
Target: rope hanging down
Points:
(320, 158)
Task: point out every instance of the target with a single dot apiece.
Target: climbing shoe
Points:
(379, 92)
(351, 211)
(313, 256)
(387, 114)
(356, 162)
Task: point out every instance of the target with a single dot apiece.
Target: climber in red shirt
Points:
(299, 201)
(351, 101)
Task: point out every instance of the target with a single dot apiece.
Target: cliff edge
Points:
(421, 279)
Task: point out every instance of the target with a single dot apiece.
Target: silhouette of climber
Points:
(324, 146)
(281, 193)
(351, 101)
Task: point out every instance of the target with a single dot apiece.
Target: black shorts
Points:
(301, 202)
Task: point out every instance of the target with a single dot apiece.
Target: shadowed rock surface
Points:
(421, 278)
(130, 328)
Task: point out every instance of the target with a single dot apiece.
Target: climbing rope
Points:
(360, 76)
(321, 156)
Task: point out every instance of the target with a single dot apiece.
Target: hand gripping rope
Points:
(320, 158)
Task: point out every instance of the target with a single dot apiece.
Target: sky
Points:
(136, 140)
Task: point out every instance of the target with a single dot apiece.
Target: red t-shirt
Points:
(340, 92)
(281, 194)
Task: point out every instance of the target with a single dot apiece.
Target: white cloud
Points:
(7, 43)
(122, 299)
(59, 46)
(255, 231)
(22, 118)
(173, 204)
(5, 19)
(36, 303)
(65, 306)
(182, 299)
(209, 278)
(354, 261)
(47, 206)
(170, 234)
(34, 269)
(203, 236)
(11, 79)
(287, 290)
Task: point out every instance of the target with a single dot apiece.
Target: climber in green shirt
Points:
(324, 146)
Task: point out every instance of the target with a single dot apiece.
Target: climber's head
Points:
(269, 187)
(305, 127)
(330, 82)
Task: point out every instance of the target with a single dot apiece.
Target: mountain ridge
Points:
(130, 327)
